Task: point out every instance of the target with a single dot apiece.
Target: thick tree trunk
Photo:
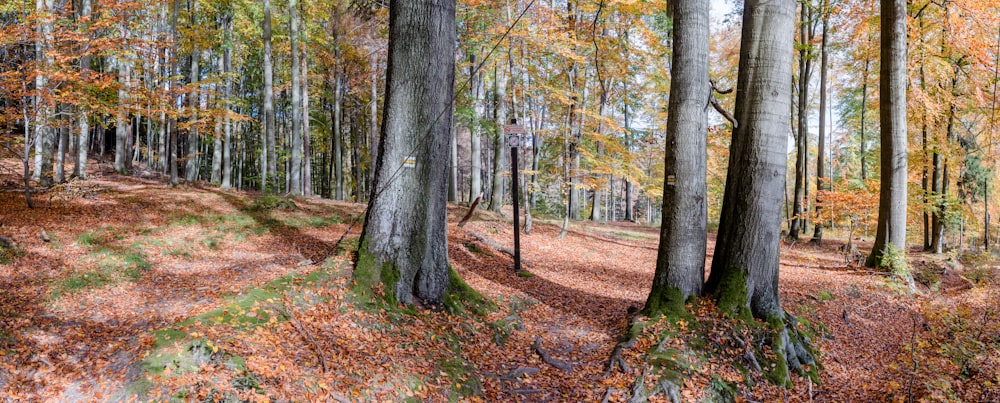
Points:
(121, 118)
(891, 231)
(44, 139)
(744, 276)
(405, 237)
(193, 159)
(680, 261)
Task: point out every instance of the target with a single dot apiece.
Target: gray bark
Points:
(817, 237)
(892, 112)
(227, 70)
(745, 268)
(476, 145)
(306, 140)
(269, 164)
(500, 117)
(680, 262)
(338, 142)
(191, 168)
(83, 117)
(406, 227)
(295, 171)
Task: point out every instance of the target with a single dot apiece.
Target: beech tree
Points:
(890, 236)
(404, 243)
(680, 261)
(744, 276)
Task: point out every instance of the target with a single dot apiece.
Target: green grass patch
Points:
(112, 268)
(8, 254)
(631, 235)
(825, 296)
(271, 202)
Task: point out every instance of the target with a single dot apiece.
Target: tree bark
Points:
(338, 142)
(476, 147)
(306, 139)
(680, 261)
(227, 68)
(269, 164)
(500, 119)
(80, 171)
(405, 234)
(891, 232)
(295, 171)
(821, 183)
(744, 276)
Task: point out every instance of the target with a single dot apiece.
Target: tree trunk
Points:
(802, 135)
(405, 234)
(43, 108)
(191, 168)
(680, 261)
(269, 164)
(295, 171)
(744, 276)
(891, 232)
(80, 171)
(306, 140)
(821, 183)
(227, 68)
(500, 118)
(476, 147)
(338, 141)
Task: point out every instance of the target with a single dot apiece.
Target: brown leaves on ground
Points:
(132, 257)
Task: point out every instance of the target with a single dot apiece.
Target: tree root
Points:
(548, 359)
(796, 347)
(517, 373)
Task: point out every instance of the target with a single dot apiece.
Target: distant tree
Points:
(404, 243)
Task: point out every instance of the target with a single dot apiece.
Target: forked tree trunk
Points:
(680, 261)
(891, 232)
(404, 238)
(744, 276)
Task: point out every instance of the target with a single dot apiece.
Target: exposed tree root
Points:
(548, 359)
(517, 373)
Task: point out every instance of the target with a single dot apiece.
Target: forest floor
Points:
(120, 287)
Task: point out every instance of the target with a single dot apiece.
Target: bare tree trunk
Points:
(295, 171)
(83, 118)
(227, 68)
(338, 140)
(405, 229)
(269, 165)
(891, 232)
(306, 140)
(744, 276)
(680, 262)
(821, 184)
(500, 118)
(476, 147)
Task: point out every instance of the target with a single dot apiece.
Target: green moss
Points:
(461, 298)
(668, 302)
(732, 295)
(824, 296)
(525, 274)
(374, 282)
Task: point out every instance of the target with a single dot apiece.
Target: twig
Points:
(305, 333)
(537, 346)
(913, 357)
